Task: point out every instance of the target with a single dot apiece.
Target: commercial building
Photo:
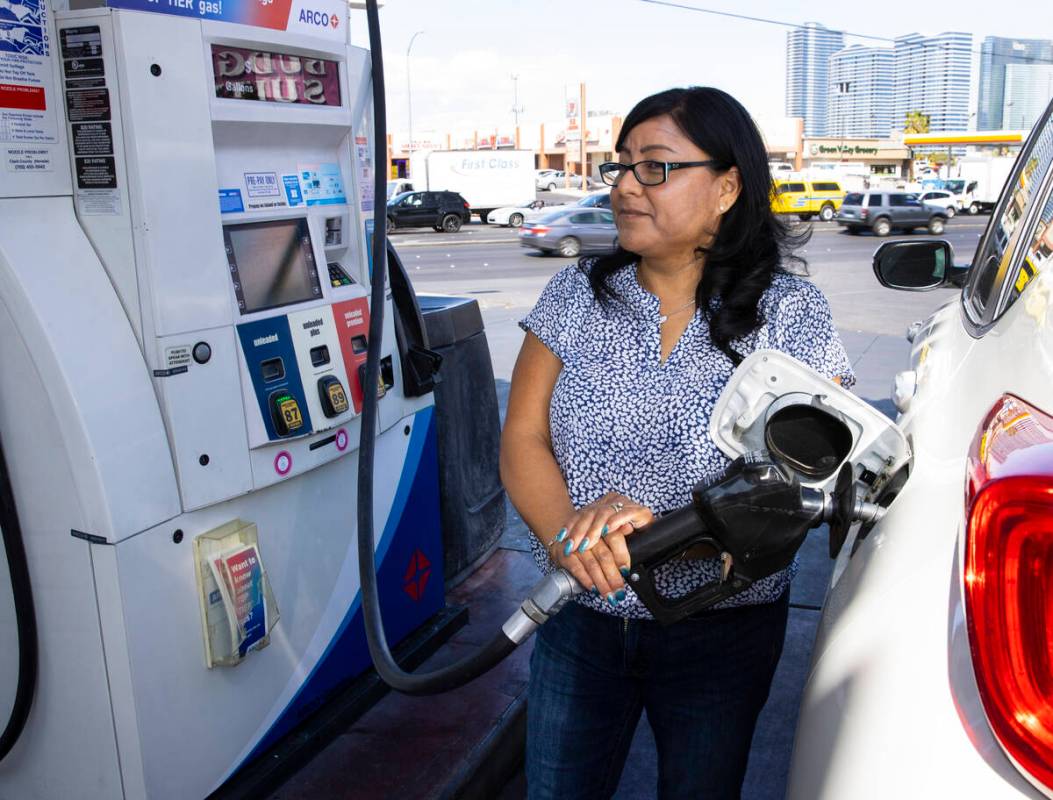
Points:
(859, 102)
(931, 74)
(1028, 88)
(808, 51)
(1029, 59)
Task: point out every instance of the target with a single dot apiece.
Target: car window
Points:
(826, 187)
(994, 256)
(853, 199)
(897, 200)
(874, 201)
(606, 217)
(414, 200)
(585, 218)
(554, 216)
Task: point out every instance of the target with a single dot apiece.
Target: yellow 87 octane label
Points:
(291, 413)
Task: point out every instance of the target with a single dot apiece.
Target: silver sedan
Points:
(572, 231)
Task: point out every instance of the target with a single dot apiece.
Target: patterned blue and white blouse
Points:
(623, 421)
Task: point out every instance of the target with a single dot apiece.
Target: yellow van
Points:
(807, 198)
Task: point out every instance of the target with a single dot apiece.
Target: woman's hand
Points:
(591, 544)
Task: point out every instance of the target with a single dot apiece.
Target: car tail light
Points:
(540, 230)
(1009, 580)
(466, 204)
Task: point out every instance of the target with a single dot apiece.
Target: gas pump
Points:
(185, 204)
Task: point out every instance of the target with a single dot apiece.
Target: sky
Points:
(460, 67)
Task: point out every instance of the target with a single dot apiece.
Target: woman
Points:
(623, 360)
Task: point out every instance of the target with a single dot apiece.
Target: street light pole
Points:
(409, 94)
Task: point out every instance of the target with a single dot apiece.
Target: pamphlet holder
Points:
(238, 609)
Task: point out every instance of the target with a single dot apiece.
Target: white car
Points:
(932, 673)
(543, 179)
(515, 216)
(945, 200)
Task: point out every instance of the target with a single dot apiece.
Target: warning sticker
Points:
(83, 42)
(25, 73)
(92, 139)
(82, 67)
(86, 83)
(88, 105)
(99, 201)
(96, 173)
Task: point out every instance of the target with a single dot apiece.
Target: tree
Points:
(916, 122)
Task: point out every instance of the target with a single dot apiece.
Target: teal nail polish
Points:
(604, 531)
(561, 535)
(595, 591)
(619, 595)
(611, 599)
(624, 571)
(583, 545)
(569, 548)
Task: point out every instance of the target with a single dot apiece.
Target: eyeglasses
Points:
(648, 173)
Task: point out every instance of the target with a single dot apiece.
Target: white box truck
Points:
(978, 181)
(486, 179)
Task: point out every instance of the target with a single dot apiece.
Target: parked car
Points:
(932, 670)
(541, 178)
(806, 198)
(883, 212)
(517, 215)
(572, 231)
(558, 180)
(443, 211)
(600, 199)
(942, 199)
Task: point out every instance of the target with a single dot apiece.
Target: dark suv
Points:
(883, 211)
(443, 211)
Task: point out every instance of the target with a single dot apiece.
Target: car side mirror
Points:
(917, 266)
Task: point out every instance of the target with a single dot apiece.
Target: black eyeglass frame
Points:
(668, 166)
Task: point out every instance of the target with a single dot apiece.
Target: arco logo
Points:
(322, 19)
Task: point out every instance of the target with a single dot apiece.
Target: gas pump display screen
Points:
(271, 263)
(273, 77)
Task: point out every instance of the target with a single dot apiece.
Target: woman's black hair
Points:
(752, 243)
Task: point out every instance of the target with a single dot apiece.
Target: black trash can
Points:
(472, 504)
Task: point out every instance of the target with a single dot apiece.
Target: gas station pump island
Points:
(186, 199)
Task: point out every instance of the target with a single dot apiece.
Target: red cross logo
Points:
(416, 577)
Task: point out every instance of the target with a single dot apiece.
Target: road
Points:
(487, 263)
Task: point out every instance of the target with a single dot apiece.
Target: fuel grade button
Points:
(285, 413)
(332, 396)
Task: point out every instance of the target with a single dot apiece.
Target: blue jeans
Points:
(702, 681)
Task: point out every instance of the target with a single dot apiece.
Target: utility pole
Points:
(516, 108)
(409, 93)
(584, 154)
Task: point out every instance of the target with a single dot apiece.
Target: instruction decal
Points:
(230, 201)
(263, 190)
(321, 184)
(26, 116)
(292, 189)
(28, 159)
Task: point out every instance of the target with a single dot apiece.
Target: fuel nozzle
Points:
(755, 516)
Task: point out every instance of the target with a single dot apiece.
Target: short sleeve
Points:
(803, 327)
(557, 318)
